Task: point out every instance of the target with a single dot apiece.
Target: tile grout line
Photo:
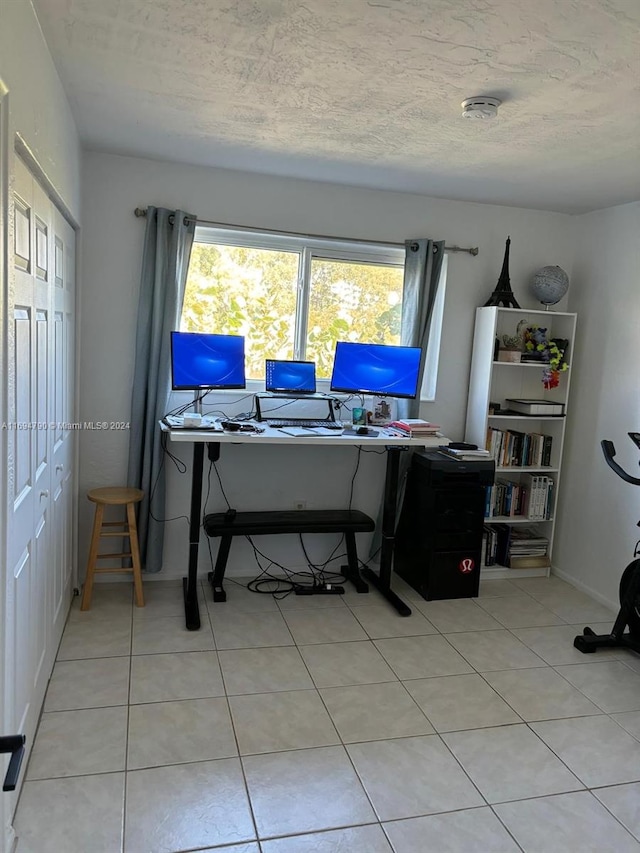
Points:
(126, 746)
(235, 734)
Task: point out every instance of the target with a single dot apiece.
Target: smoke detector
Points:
(480, 107)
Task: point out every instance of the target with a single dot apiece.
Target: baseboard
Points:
(601, 599)
(10, 839)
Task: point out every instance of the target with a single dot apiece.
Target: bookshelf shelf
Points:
(516, 519)
(525, 417)
(517, 364)
(494, 382)
(515, 469)
(503, 573)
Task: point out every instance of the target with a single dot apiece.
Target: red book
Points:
(415, 426)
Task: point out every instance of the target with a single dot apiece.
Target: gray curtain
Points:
(165, 262)
(422, 269)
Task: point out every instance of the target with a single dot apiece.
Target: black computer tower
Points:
(438, 544)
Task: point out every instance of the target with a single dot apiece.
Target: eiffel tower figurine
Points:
(503, 293)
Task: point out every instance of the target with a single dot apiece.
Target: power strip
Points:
(320, 590)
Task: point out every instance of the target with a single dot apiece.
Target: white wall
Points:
(112, 244)
(39, 109)
(597, 529)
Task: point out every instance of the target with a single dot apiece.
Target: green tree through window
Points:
(292, 301)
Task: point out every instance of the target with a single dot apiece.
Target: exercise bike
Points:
(629, 614)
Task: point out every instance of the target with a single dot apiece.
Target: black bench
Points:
(227, 525)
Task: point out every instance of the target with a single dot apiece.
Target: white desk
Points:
(393, 444)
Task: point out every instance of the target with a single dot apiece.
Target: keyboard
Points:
(301, 422)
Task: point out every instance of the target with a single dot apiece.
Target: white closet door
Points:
(40, 450)
(28, 466)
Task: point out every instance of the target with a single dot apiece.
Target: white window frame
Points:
(310, 248)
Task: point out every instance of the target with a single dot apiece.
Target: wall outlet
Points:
(299, 504)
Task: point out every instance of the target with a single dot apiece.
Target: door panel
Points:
(18, 598)
(42, 390)
(41, 614)
(20, 437)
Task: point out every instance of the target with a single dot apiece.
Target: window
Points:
(293, 297)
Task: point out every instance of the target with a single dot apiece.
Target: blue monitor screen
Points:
(206, 361)
(296, 376)
(378, 369)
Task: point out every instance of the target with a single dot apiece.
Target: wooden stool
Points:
(114, 496)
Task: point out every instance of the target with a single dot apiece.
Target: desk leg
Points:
(190, 583)
(382, 581)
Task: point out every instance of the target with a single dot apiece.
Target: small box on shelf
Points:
(535, 407)
(511, 355)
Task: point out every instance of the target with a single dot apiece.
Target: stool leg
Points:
(93, 553)
(135, 554)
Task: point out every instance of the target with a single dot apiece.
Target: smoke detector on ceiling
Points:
(480, 107)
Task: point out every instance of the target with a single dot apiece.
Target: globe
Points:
(550, 284)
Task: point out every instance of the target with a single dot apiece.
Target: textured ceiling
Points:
(366, 93)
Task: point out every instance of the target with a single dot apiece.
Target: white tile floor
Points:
(331, 724)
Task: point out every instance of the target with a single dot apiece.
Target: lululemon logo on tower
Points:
(467, 565)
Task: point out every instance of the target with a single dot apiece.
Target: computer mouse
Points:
(362, 430)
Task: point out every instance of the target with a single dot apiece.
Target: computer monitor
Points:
(206, 362)
(296, 377)
(378, 369)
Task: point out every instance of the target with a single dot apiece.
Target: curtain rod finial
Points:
(140, 211)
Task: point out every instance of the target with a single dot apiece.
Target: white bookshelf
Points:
(495, 381)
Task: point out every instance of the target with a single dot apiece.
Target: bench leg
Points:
(352, 571)
(217, 576)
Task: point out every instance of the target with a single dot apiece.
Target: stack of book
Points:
(414, 427)
(515, 547)
(464, 454)
(527, 549)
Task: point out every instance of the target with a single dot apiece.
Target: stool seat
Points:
(115, 495)
(124, 529)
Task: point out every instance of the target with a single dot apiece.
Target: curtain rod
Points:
(142, 212)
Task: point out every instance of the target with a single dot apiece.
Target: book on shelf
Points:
(541, 496)
(415, 426)
(505, 498)
(489, 540)
(503, 533)
(515, 449)
(529, 535)
(530, 562)
(535, 407)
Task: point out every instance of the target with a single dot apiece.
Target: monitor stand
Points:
(196, 409)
